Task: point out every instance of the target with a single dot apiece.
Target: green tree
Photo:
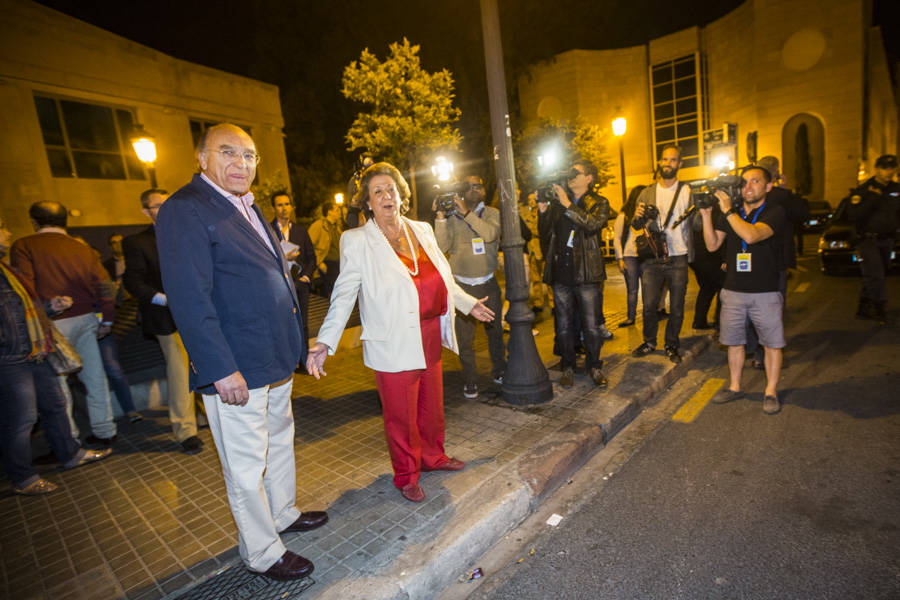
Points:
(803, 165)
(410, 111)
(570, 141)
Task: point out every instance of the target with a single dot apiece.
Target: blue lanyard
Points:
(753, 222)
(457, 215)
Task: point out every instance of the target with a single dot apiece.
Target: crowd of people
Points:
(225, 293)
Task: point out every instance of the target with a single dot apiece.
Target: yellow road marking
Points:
(802, 287)
(690, 409)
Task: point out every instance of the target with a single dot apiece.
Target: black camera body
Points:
(546, 193)
(446, 195)
(703, 192)
(651, 215)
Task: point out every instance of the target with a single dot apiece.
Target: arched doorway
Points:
(803, 155)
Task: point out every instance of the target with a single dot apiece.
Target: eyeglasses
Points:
(476, 186)
(251, 158)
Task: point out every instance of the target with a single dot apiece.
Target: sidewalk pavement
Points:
(151, 522)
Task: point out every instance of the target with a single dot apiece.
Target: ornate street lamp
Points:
(618, 126)
(145, 147)
(526, 380)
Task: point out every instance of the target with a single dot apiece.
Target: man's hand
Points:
(60, 303)
(292, 256)
(323, 268)
(724, 200)
(233, 389)
(103, 331)
(304, 279)
(561, 194)
(461, 207)
(621, 263)
(639, 211)
(315, 360)
(482, 312)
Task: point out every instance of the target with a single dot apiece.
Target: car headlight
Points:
(832, 244)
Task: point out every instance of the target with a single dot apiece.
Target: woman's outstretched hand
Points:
(315, 360)
(482, 312)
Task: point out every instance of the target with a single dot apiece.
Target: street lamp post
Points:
(618, 126)
(526, 380)
(145, 147)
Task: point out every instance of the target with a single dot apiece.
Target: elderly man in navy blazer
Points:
(229, 288)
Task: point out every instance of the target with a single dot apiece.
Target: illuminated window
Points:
(676, 98)
(87, 141)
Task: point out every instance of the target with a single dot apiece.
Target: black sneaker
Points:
(672, 353)
(470, 391)
(627, 323)
(192, 445)
(605, 334)
(643, 350)
(93, 440)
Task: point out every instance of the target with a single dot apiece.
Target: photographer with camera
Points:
(669, 262)
(570, 225)
(754, 255)
(468, 232)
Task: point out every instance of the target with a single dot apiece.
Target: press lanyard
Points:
(753, 222)
(477, 213)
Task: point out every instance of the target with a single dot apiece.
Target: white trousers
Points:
(180, 399)
(256, 447)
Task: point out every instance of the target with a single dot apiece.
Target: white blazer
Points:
(388, 301)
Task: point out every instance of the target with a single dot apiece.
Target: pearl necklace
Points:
(415, 271)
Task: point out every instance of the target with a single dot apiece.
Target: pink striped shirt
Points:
(244, 205)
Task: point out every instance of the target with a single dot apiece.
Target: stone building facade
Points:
(782, 69)
(70, 94)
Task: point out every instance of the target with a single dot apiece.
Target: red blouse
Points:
(432, 303)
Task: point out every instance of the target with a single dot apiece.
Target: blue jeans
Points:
(114, 373)
(27, 389)
(655, 273)
(587, 299)
(632, 284)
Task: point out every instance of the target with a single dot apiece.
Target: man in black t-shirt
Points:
(754, 256)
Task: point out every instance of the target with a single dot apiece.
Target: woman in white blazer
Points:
(407, 297)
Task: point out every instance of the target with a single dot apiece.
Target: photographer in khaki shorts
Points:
(754, 257)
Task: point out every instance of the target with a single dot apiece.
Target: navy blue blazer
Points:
(232, 299)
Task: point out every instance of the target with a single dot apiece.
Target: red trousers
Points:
(413, 409)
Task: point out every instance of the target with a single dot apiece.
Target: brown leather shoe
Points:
(452, 464)
(289, 566)
(307, 521)
(567, 379)
(412, 492)
(598, 378)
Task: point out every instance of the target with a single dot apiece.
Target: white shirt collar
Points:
(52, 229)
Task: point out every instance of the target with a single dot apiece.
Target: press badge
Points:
(571, 242)
(743, 262)
(477, 246)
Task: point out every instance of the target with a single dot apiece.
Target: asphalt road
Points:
(738, 504)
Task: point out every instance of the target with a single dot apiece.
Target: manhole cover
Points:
(235, 583)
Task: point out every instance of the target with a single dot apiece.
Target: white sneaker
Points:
(470, 391)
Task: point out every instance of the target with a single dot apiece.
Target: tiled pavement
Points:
(151, 522)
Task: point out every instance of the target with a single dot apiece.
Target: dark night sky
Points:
(303, 45)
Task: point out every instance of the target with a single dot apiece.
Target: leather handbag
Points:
(64, 359)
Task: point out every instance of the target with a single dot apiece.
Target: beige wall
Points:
(42, 50)
(768, 60)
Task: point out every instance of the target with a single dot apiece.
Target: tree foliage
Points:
(572, 141)
(410, 110)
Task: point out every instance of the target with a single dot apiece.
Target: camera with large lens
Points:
(651, 215)
(703, 192)
(446, 195)
(546, 192)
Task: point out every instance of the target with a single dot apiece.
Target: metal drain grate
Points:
(235, 583)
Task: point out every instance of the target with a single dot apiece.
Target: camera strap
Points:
(672, 206)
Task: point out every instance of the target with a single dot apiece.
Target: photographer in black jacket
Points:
(570, 230)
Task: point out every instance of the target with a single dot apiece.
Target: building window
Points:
(198, 126)
(87, 141)
(676, 102)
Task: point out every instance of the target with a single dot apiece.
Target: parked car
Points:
(819, 214)
(837, 245)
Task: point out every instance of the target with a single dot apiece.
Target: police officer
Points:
(874, 210)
